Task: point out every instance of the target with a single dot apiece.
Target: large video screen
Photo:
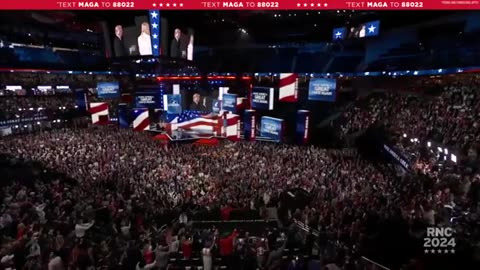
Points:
(108, 90)
(271, 128)
(181, 45)
(192, 99)
(143, 38)
(369, 29)
(199, 100)
(262, 98)
(150, 100)
(322, 89)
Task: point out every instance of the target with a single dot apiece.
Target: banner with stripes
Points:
(231, 127)
(288, 87)
(141, 121)
(99, 113)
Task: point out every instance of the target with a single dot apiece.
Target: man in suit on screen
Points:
(119, 43)
(178, 48)
(197, 104)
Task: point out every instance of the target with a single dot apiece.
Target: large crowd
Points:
(25, 107)
(123, 187)
(447, 117)
(121, 200)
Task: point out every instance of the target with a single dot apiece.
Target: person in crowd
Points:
(207, 256)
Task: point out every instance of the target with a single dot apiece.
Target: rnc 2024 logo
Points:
(439, 241)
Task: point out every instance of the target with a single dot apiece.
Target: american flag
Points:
(196, 125)
(154, 16)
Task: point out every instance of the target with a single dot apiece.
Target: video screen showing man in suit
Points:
(118, 42)
(198, 103)
(178, 48)
(144, 40)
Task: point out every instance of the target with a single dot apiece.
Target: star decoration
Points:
(181, 4)
(319, 5)
(432, 251)
(325, 5)
(426, 251)
(312, 4)
(154, 36)
(154, 14)
(298, 4)
(305, 4)
(155, 46)
(338, 34)
(174, 4)
(371, 29)
(452, 251)
(168, 4)
(161, 5)
(154, 25)
(154, 4)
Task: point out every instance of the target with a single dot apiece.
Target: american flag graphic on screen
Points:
(196, 125)
(154, 16)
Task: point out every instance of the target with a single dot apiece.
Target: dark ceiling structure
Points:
(225, 28)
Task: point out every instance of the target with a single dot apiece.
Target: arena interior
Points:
(240, 140)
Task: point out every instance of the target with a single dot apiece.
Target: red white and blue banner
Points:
(288, 87)
(250, 125)
(99, 113)
(141, 120)
(191, 125)
(231, 127)
(303, 126)
(154, 17)
(271, 128)
(238, 5)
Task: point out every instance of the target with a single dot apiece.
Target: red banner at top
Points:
(239, 5)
